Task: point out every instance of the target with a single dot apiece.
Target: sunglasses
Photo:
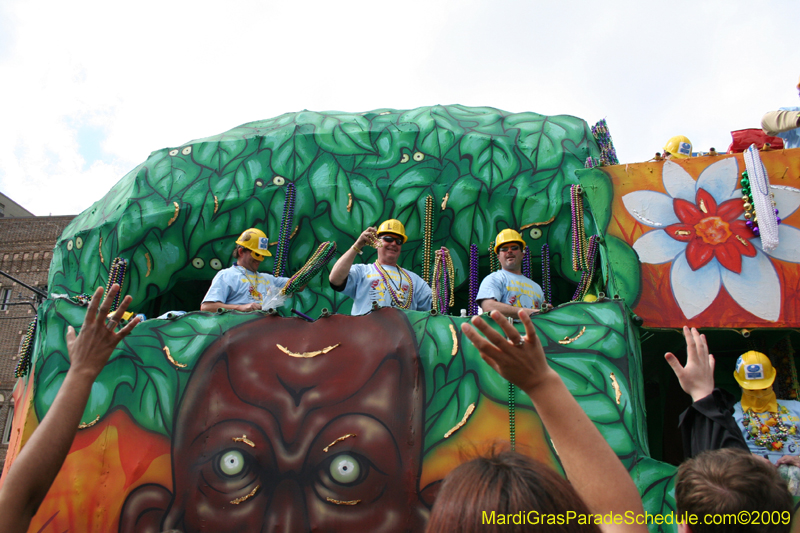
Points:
(513, 248)
(388, 238)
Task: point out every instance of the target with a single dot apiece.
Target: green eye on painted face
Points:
(231, 463)
(215, 263)
(345, 469)
(198, 262)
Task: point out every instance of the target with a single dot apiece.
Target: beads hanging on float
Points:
(26, 350)
(427, 236)
(749, 206)
(282, 253)
(472, 305)
(443, 283)
(116, 274)
(588, 273)
(579, 243)
(547, 289)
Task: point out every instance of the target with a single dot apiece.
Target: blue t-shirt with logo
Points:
(512, 289)
(365, 285)
(237, 285)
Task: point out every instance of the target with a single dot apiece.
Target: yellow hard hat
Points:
(506, 236)
(256, 241)
(679, 146)
(393, 226)
(754, 371)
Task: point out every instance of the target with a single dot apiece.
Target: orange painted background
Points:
(657, 304)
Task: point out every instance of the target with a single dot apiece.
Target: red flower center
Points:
(713, 230)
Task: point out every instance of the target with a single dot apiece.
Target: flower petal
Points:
(730, 210)
(656, 247)
(706, 203)
(678, 182)
(687, 212)
(698, 253)
(720, 179)
(651, 208)
(728, 256)
(787, 198)
(757, 289)
(694, 290)
(788, 244)
(681, 232)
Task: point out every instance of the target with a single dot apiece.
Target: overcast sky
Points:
(89, 89)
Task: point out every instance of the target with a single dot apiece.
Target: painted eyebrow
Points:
(340, 439)
(306, 355)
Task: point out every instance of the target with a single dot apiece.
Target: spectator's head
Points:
(679, 147)
(755, 374)
(725, 482)
(476, 493)
(251, 248)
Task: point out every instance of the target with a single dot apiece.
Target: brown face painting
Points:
(287, 425)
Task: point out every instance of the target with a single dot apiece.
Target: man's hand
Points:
(367, 236)
(697, 377)
(253, 306)
(89, 351)
(519, 359)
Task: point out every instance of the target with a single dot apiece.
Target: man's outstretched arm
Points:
(38, 463)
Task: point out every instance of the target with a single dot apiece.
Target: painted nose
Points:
(287, 511)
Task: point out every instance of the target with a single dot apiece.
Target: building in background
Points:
(11, 209)
(26, 248)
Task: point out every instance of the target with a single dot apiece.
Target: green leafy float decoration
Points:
(175, 217)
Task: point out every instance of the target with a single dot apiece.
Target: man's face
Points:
(247, 260)
(389, 252)
(510, 257)
(255, 421)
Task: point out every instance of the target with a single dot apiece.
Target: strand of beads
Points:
(588, 273)
(608, 156)
(472, 305)
(427, 236)
(749, 210)
(579, 244)
(770, 433)
(406, 304)
(443, 281)
(316, 262)
(526, 263)
(82, 299)
(282, 253)
(512, 415)
(547, 289)
(765, 218)
(26, 350)
(494, 263)
(116, 274)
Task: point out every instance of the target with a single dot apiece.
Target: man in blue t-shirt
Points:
(242, 287)
(507, 290)
(383, 281)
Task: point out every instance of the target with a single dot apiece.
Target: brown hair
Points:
(474, 495)
(726, 482)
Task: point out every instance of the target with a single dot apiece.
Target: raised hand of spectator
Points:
(89, 351)
(37, 465)
(697, 376)
(520, 359)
